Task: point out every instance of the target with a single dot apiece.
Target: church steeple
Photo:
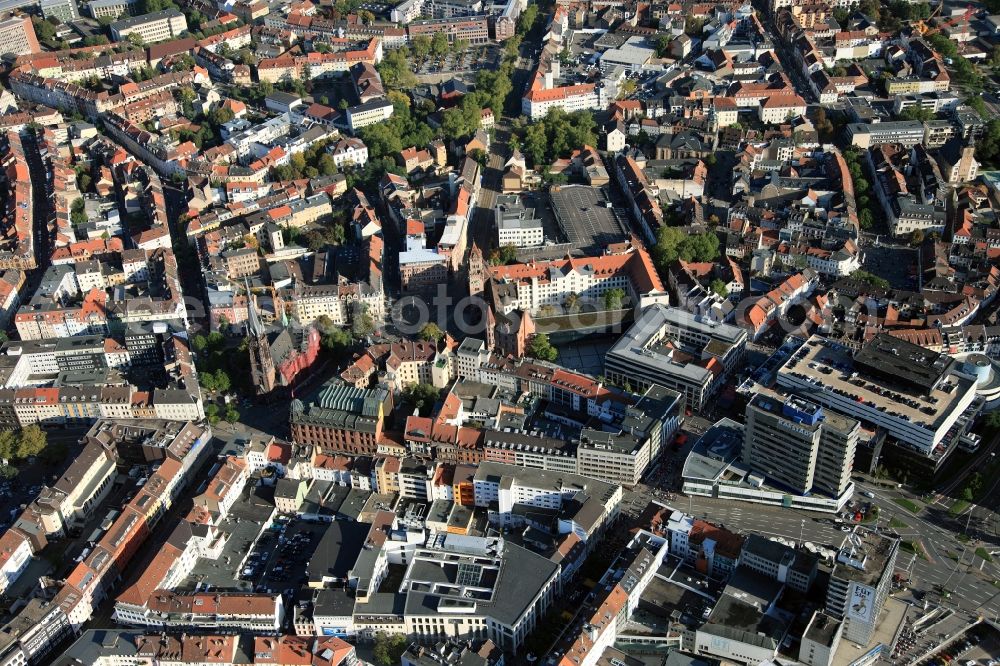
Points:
(262, 370)
(255, 328)
(477, 271)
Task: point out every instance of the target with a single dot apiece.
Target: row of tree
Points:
(862, 189)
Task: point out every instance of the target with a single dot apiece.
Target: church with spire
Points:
(278, 356)
(261, 362)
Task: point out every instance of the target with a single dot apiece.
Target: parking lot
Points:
(245, 524)
(978, 646)
(286, 553)
(262, 554)
(472, 59)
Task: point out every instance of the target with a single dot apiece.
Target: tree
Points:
(988, 146)
(362, 324)
(917, 237)
(199, 342)
(332, 338)
(222, 382)
(421, 46)
(694, 26)
(456, 123)
(422, 397)
(431, 332)
(45, 30)
(232, 414)
(439, 44)
(663, 45)
(719, 287)
(480, 156)
(207, 381)
(78, 212)
(30, 442)
(212, 413)
(865, 219)
(395, 70)
(558, 134)
(916, 113)
(541, 348)
(673, 244)
(503, 255)
(460, 46)
(135, 39)
(613, 298)
(527, 19)
(389, 648)
(8, 445)
(215, 339)
(979, 105)
(572, 302)
(823, 124)
(869, 278)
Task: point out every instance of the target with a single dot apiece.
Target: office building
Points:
(820, 640)
(517, 226)
(154, 27)
(17, 36)
(777, 561)
(473, 29)
(860, 582)
(369, 113)
(532, 286)
(99, 9)
(796, 444)
(678, 350)
(455, 586)
(715, 468)
(906, 132)
(64, 10)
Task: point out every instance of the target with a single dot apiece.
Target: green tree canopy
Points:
(719, 287)
(614, 298)
(388, 648)
(431, 332)
(422, 397)
(672, 243)
(440, 44)
(870, 278)
(557, 135)
(541, 348)
(8, 445)
(30, 442)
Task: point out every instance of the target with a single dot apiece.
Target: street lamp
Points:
(961, 557)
